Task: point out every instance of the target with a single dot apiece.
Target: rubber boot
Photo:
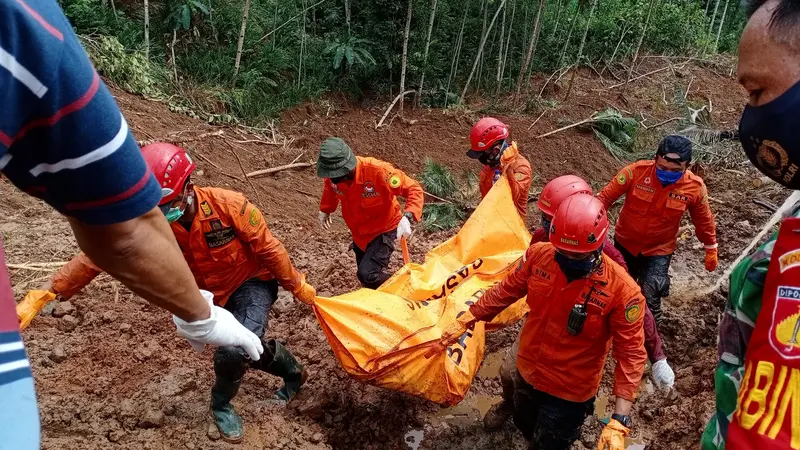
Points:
(497, 416)
(227, 420)
(284, 365)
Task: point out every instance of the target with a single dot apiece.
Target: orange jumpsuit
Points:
(554, 361)
(651, 215)
(519, 174)
(228, 244)
(369, 202)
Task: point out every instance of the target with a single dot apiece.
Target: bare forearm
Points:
(143, 255)
(623, 407)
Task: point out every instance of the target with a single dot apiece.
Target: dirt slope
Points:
(118, 377)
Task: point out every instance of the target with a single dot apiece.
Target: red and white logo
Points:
(784, 332)
(369, 187)
(646, 180)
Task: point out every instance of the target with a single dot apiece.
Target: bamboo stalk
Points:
(263, 172)
(565, 128)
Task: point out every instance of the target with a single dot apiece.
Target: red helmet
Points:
(558, 190)
(579, 225)
(171, 166)
(484, 134)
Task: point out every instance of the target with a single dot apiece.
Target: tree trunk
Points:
(721, 24)
(558, 19)
(531, 48)
(483, 31)
(456, 55)
(146, 28)
(405, 54)
(498, 78)
(480, 49)
(569, 37)
(625, 30)
(347, 15)
(639, 45)
(713, 18)
(172, 52)
(425, 55)
(240, 44)
(275, 23)
(303, 46)
(580, 49)
(508, 38)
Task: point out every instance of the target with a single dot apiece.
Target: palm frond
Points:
(705, 136)
(438, 180)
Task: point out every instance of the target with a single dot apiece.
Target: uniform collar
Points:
(509, 155)
(359, 176)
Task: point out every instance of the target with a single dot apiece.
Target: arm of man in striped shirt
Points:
(63, 139)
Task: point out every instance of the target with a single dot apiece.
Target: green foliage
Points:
(294, 51)
(439, 181)
(616, 132)
(129, 70)
(351, 51)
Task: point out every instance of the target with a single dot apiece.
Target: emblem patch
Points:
(789, 260)
(646, 180)
(216, 225)
(569, 241)
(621, 178)
(519, 176)
(206, 208)
(219, 238)
(679, 196)
(255, 217)
(632, 313)
(784, 332)
(644, 188)
(394, 181)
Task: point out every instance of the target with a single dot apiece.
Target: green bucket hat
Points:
(336, 159)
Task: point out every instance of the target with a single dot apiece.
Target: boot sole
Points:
(230, 440)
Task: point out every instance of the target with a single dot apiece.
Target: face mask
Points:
(768, 134)
(666, 177)
(574, 269)
(492, 159)
(546, 225)
(174, 214)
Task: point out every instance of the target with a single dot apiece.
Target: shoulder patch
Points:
(519, 176)
(255, 217)
(206, 208)
(633, 311)
(621, 178)
(394, 181)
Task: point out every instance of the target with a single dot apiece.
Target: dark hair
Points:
(785, 18)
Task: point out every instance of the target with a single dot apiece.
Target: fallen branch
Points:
(305, 193)
(710, 198)
(399, 96)
(662, 123)
(33, 268)
(576, 124)
(688, 87)
(260, 141)
(734, 171)
(200, 155)
(639, 77)
(444, 200)
(537, 119)
(262, 172)
(241, 166)
(176, 140)
(765, 204)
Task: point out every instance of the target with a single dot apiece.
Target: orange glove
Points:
(306, 293)
(712, 260)
(30, 306)
(613, 437)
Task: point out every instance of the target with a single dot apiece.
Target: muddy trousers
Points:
(373, 261)
(546, 421)
(652, 274)
(250, 304)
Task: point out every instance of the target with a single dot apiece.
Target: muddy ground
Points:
(112, 374)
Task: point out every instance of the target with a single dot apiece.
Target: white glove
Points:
(404, 228)
(220, 329)
(325, 220)
(663, 375)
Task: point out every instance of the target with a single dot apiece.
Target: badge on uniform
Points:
(255, 217)
(633, 311)
(394, 181)
(784, 332)
(216, 225)
(206, 208)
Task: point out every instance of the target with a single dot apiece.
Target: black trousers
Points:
(373, 261)
(546, 421)
(250, 304)
(652, 274)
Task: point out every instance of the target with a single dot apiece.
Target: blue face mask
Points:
(574, 269)
(666, 177)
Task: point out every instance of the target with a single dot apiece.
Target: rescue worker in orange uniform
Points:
(657, 194)
(552, 196)
(367, 189)
(580, 301)
(232, 254)
(491, 144)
